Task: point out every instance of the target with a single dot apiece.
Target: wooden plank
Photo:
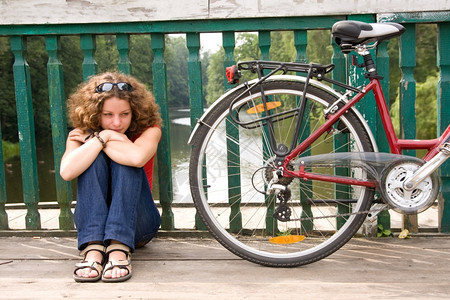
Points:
(96, 11)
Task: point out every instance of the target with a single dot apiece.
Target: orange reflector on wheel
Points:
(287, 239)
(260, 107)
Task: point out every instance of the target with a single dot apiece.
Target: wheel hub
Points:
(271, 167)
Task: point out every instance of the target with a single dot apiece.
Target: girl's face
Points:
(116, 115)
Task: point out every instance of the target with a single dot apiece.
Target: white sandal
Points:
(94, 265)
(121, 264)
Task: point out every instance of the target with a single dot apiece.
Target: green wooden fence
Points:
(157, 31)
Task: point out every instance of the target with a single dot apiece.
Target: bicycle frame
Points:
(248, 148)
(396, 145)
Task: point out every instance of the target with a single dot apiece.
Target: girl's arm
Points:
(79, 154)
(135, 154)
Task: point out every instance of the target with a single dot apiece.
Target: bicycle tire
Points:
(219, 206)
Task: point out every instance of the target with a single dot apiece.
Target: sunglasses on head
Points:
(107, 86)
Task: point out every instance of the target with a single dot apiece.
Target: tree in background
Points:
(426, 110)
(282, 49)
(425, 74)
(141, 56)
(8, 114)
(176, 56)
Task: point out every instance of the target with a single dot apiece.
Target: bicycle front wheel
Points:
(231, 165)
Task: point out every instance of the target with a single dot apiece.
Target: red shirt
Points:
(148, 167)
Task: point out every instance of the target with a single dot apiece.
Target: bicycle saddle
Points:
(355, 32)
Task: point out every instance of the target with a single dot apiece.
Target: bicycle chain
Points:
(386, 207)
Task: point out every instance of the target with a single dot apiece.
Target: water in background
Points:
(179, 132)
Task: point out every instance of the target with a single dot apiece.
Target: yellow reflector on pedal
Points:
(287, 239)
(260, 107)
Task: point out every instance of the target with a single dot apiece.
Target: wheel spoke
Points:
(313, 209)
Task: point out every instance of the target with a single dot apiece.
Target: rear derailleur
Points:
(283, 194)
(283, 211)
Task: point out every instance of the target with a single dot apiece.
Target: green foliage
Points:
(426, 36)
(176, 56)
(282, 48)
(383, 232)
(426, 52)
(106, 54)
(426, 110)
(8, 116)
(247, 47)
(37, 60)
(141, 56)
(214, 72)
(284, 232)
(319, 49)
(10, 150)
(71, 58)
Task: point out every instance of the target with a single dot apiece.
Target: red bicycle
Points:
(284, 169)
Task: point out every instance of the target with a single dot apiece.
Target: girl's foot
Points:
(91, 268)
(118, 267)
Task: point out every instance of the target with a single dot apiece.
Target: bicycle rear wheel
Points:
(230, 167)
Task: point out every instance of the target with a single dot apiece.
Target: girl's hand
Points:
(111, 135)
(78, 135)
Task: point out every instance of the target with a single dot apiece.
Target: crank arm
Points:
(428, 168)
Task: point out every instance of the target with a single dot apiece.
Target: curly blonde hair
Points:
(85, 105)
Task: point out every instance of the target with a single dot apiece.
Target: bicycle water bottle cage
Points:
(348, 34)
(233, 74)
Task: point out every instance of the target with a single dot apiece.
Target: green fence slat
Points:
(59, 129)
(383, 70)
(123, 46)
(88, 46)
(264, 40)
(195, 93)
(443, 104)
(233, 151)
(163, 154)
(384, 217)
(356, 77)
(3, 214)
(407, 103)
(27, 138)
(193, 28)
(339, 74)
(300, 44)
(408, 84)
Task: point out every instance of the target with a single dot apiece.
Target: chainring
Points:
(400, 199)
